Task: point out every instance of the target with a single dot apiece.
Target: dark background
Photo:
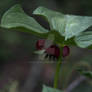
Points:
(16, 49)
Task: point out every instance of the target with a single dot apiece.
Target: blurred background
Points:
(20, 69)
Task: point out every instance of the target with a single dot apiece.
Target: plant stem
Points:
(57, 72)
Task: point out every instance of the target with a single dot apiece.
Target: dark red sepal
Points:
(53, 50)
(66, 51)
(40, 44)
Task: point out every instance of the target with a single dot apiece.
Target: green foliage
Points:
(66, 25)
(84, 39)
(48, 89)
(85, 73)
(66, 28)
(16, 18)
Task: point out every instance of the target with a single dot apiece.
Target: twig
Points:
(75, 83)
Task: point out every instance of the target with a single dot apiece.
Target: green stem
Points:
(57, 72)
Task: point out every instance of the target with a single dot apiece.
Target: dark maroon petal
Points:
(66, 51)
(57, 52)
(53, 50)
(40, 44)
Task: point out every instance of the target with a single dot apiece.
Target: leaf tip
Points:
(38, 10)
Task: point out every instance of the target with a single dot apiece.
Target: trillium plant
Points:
(65, 31)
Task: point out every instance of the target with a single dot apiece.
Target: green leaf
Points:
(85, 73)
(47, 13)
(84, 39)
(76, 24)
(55, 19)
(15, 17)
(66, 25)
(48, 89)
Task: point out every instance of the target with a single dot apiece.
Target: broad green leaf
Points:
(84, 39)
(76, 24)
(15, 17)
(48, 89)
(66, 25)
(47, 13)
(86, 73)
(55, 19)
